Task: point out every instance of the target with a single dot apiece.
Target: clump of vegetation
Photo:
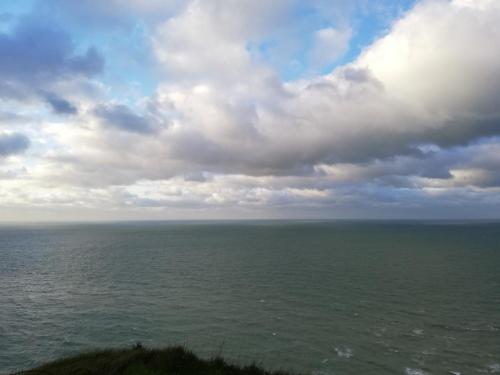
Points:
(141, 361)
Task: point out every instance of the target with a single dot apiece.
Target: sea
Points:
(311, 297)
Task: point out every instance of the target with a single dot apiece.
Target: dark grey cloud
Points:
(60, 105)
(37, 52)
(36, 55)
(11, 144)
(359, 75)
(121, 117)
(466, 129)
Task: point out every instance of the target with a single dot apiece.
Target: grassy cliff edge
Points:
(141, 361)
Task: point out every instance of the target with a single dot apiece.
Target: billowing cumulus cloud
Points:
(402, 92)
(406, 128)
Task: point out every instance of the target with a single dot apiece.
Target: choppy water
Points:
(322, 298)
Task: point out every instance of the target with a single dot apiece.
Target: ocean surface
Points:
(316, 297)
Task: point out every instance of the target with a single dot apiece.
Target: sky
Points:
(249, 109)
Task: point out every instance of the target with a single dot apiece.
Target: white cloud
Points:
(405, 90)
(439, 57)
(393, 127)
(208, 40)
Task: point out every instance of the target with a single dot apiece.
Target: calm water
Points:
(322, 298)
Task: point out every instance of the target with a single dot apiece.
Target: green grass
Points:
(141, 361)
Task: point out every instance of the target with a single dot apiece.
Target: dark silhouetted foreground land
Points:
(141, 361)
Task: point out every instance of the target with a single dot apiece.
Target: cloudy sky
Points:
(215, 109)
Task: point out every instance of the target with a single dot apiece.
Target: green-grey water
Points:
(317, 297)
